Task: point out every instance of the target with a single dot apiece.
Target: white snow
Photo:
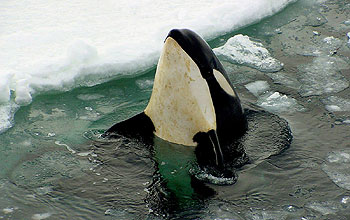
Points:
(241, 50)
(59, 45)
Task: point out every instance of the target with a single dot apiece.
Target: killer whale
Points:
(193, 103)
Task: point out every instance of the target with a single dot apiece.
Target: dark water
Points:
(54, 166)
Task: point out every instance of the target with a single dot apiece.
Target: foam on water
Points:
(241, 50)
(59, 46)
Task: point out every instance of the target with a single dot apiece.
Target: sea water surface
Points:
(71, 70)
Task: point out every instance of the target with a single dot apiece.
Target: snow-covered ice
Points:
(258, 87)
(277, 102)
(240, 49)
(59, 45)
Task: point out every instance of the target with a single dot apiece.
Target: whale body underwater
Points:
(193, 103)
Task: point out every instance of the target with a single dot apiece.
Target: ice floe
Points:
(322, 76)
(94, 42)
(258, 87)
(89, 97)
(336, 104)
(322, 46)
(284, 79)
(240, 49)
(145, 83)
(277, 102)
(315, 19)
(41, 216)
(273, 101)
(337, 167)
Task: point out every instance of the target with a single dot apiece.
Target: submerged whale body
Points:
(193, 103)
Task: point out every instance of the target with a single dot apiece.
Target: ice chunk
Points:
(145, 83)
(284, 79)
(331, 44)
(241, 50)
(348, 35)
(240, 74)
(4, 90)
(345, 199)
(321, 47)
(336, 104)
(322, 76)
(324, 208)
(6, 115)
(7, 210)
(337, 167)
(88, 97)
(258, 87)
(276, 102)
(35, 57)
(267, 215)
(315, 19)
(41, 216)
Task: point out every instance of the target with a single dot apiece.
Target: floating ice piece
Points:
(275, 102)
(41, 216)
(336, 104)
(266, 215)
(6, 115)
(332, 44)
(241, 50)
(346, 121)
(316, 33)
(337, 167)
(65, 145)
(315, 19)
(89, 97)
(325, 208)
(348, 35)
(258, 87)
(321, 47)
(345, 199)
(284, 79)
(145, 83)
(7, 210)
(322, 76)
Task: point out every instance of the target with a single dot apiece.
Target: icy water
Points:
(294, 64)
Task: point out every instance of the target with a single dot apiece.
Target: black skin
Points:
(230, 119)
